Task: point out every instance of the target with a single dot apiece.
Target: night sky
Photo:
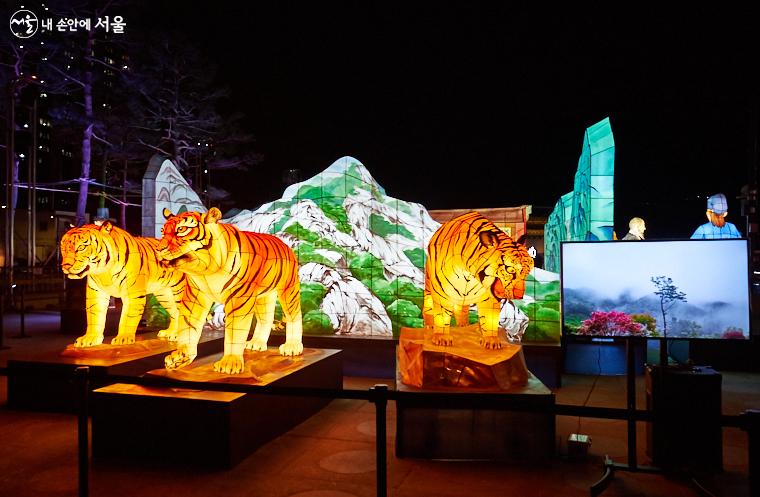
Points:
(469, 105)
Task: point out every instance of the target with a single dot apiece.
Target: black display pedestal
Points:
(207, 429)
(686, 432)
(435, 430)
(375, 357)
(545, 361)
(45, 381)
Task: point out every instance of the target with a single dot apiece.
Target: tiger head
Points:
(508, 263)
(85, 250)
(186, 241)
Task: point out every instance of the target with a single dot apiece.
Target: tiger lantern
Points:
(471, 261)
(246, 272)
(117, 264)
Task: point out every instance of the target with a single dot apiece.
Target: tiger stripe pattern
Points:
(471, 261)
(246, 272)
(117, 264)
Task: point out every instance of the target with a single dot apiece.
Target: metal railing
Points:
(379, 395)
(36, 289)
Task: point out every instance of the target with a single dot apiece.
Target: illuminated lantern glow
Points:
(587, 212)
(246, 272)
(471, 261)
(717, 227)
(117, 264)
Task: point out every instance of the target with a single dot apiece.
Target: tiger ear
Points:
(488, 238)
(167, 213)
(106, 226)
(213, 215)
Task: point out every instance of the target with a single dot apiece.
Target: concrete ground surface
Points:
(332, 454)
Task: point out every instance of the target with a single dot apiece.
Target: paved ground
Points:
(332, 453)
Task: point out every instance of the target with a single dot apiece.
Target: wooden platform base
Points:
(430, 430)
(518, 425)
(209, 429)
(45, 381)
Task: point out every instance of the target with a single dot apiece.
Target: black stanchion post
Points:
(82, 375)
(752, 427)
(630, 350)
(2, 315)
(380, 399)
(22, 313)
(22, 333)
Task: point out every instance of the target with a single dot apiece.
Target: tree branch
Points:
(101, 139)
(66, 75)
(152, 147)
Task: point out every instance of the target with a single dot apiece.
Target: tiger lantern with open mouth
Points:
(246, 272)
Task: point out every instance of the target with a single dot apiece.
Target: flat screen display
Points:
(695, 289)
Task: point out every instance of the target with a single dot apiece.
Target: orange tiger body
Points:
(471, 261)
(246, 272)
(117, 264)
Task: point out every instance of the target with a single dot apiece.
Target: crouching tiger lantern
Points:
(244, 271)
(471, 261)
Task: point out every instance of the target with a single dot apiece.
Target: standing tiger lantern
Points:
(471, 261)
(117, 264)
(246, 272)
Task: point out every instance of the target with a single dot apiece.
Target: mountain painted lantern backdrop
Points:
(362, 252)
(164, 187)
(362, 256)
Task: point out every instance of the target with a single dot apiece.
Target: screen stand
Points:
(609, 465)
(663, 353)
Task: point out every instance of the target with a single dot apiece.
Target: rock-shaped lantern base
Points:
(465, 364)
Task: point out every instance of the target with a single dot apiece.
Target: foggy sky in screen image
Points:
(618, 276)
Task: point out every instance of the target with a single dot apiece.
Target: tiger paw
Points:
(123, 339)
(179, 358)
(256, 345)
(492, 343)
(89, 340)
(168, 335)
(291, 348)
(442, 340)
(229, 364)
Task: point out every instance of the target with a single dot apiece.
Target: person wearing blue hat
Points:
(717, 227)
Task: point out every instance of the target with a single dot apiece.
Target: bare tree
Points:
(74, 70)
(178, 112)
(14, 78)
(669, 296)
